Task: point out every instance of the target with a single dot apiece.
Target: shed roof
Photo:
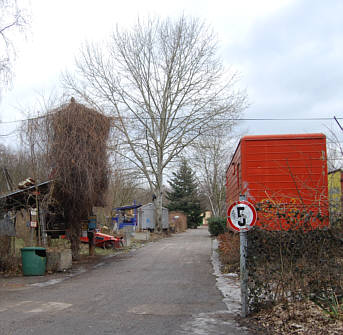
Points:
(123, 208)
(21, 198)
(282, 137)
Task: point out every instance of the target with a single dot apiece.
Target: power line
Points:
(217, 119)
(290, 119)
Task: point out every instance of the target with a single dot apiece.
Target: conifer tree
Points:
(184, 195)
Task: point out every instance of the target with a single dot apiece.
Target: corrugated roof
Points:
(21, 198)
(24, 190)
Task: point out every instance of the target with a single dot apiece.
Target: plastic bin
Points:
(33, 261)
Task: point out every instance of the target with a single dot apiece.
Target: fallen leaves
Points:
(301, 318)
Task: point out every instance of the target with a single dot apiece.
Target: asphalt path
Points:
(165, 287)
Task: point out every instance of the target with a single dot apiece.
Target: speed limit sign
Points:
(241, 215)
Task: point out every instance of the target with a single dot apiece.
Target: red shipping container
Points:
(285, 176)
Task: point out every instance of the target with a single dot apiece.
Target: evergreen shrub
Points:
(216, 225)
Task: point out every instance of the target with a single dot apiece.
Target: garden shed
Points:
(146, 217)
(26, 210)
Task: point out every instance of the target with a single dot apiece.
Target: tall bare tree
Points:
(13, 20)
(210, 158)
(16, 162)
(164, 84)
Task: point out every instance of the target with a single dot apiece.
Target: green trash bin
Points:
(33, 261)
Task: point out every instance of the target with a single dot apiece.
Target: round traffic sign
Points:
(241, 215)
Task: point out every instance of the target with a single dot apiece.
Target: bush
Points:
(294, 265)
(216, 225)
(10, 264)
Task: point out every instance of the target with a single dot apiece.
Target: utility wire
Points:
(8, 134)
(218, 119)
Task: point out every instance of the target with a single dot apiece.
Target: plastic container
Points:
(33, 261)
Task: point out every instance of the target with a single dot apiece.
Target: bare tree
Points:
(210, 158)
(124, 182)
(165, 86)
(16, 162)
(13, 20)
(334, 150)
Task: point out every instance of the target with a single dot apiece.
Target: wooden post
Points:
(91, 246)
(38, 228)
(90, 233)
(42, 222)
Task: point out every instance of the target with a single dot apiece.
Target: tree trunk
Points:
(75, 241)
(158, 211)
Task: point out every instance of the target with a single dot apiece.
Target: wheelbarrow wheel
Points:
(109, 245)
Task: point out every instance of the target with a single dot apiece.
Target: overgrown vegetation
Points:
(294, 265)
(78, 157)
(72, 139)
(293, 255)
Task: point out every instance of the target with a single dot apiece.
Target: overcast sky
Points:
(289, 53)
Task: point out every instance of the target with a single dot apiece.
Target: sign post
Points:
(242, 216)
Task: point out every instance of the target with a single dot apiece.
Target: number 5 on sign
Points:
(241, 215)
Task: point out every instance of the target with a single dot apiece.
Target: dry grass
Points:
(229, 251)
